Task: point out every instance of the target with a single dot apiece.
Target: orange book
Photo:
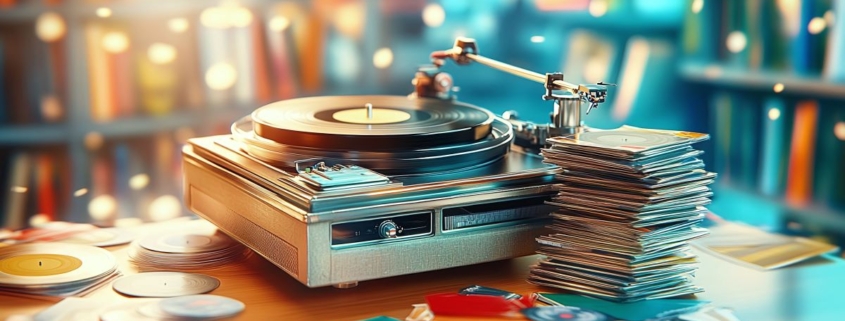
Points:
(46, 188)
(310, 47)
(263, 92)
(799, 187)
(98, 73)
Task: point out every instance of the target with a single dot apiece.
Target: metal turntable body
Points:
(336, 190)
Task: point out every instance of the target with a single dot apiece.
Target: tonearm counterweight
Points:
(567, 97)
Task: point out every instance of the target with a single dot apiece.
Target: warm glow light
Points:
(736, 41)
(279, 23)
(214, 17)
(839, 130)
(102, 207)
(103, 12)
(816, 25)
(39, 220)
(349, 19)
(433, 15)
(778, 87)
(80, 192)
(598, 8)
(221, 76)
(537, 39)
(774, 114)
(697, 5)
(115, 42)
(51, 108)
(829, 17)
(19, 189)
(164, 208)
(239, 16)
(383, 58)
(178, 25)
(50, 27)
(139, 181)
(161, 53)
(93, 141)
(128, 222)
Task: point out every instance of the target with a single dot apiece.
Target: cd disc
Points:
(46, 264)
(165, 284)
(392, 122)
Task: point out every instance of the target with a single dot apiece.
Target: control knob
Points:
(388, 229)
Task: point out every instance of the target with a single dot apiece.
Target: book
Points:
(647, 74)
(775, 146)
(745, 124)
(45, 188)
(721, 128)
(829, 172)
(99, 76)
(17, 188)
(799, 187)
(834, 68)
(774, 37)
(700, 39)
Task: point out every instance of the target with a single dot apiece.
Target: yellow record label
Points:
(39, 264)
(378, 116)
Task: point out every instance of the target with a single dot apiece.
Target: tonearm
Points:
(567, 97)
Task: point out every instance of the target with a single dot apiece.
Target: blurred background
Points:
(97, 97)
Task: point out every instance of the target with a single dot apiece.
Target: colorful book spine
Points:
(722, 109)
(799, 187)
(45, 188)
(835, 64)
(829, 183)
(17, 189)
(700, 35)
(775, 146)
(774, 36)
(99, 77)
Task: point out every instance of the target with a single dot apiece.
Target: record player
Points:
(336, 190)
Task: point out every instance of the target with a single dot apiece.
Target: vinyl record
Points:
(183, 242)
(203, 307)
(101, 237)
(165, 284)
(641, 140)
(44, 264)
(397, 123)
(407, 161)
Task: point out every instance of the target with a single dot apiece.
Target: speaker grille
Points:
(283, 255)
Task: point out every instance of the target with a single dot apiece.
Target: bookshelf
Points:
(775, 102)
(396, 25)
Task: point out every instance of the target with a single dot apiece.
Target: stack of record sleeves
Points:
(629, 202)
(199, 247)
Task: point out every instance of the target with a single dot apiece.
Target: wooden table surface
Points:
(805, 292)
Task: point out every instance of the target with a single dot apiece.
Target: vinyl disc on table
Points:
(201, 306)
(616, 138)
(39, 264)
(186, 242)
(101, 237)
(165, 284)
(397, 122)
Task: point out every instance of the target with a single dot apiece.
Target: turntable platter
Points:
(391, 123)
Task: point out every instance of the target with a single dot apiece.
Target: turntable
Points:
(336, 190)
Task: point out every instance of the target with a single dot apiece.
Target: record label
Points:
(39, 264)
(376, 116)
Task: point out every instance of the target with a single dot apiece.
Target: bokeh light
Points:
(778, 87)
(161, 53)
(383, 58)
(278, 23)
(38, 220)
(839, 130)
(19, 189)
(736, 41)
(115, 42)
(178, 25)
(103, 12)
(697, 5)
(349, 19)
(538, 39)
(816, 25)
(102, 207)
(139, 181)
(80, 192)
(50, 27)
(433, 15)
(51, 108)
(598, 8)
(93, 141)
(221, 76)
(774, 114)
(165, 207)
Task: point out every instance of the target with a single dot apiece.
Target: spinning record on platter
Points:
(371, 123)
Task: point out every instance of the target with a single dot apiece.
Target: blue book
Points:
(722, 111)
(121, 176)
(829, 171)
(745, 136)
(775, 146)
(700, 36)
(835, 56)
